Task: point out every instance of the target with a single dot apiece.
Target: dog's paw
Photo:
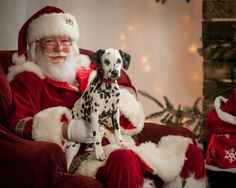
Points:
(100, 154)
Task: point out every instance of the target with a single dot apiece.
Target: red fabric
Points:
(31, 164)
(221, 136)
(123, 169)
(5, 98)
(154, 132)
(194, 163)
(32, 95)
(216, 125)
(221, 151)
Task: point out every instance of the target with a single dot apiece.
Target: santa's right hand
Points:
(80, 131)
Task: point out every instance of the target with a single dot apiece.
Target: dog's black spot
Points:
(107, 62)
(118, 61)
(117, 95)
(97, 143)
(117, 101)
(94, 133)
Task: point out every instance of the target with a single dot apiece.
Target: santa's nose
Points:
(58, 47)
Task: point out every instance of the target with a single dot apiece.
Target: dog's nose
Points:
(115, 73)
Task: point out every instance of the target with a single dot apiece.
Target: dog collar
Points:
(107, 81)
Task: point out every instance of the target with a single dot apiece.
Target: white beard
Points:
(64, 71)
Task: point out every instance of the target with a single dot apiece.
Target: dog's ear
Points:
(126, 59)
(96, 57)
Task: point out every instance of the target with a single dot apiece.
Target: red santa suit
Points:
(42, 104)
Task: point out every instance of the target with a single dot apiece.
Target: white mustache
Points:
(57, 54)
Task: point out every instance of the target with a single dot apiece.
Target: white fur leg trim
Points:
(148, 183)
(224, 116)
(47, 124)
(191, 182)
(90, 166)
(133, 110)
(166, 159)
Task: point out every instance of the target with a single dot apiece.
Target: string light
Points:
(122, 37)
(192, 48)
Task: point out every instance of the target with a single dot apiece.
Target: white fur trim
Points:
(191, 182)
(133, 110)
(84, 61)
(90, 166)
(224, 116)
(166, 159)
(176, 183)
(21, 67)
(16, 59)
(53, 24)
(47, 124)
(148, 183)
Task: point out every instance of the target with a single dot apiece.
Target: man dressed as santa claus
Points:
(53, 75)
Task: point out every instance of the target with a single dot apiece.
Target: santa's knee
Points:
(124, 158)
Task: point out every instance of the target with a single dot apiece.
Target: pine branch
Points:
(187, 116)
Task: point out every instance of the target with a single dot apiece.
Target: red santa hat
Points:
(225, 108)
(48, 21)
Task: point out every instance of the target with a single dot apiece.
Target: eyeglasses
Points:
(52, 42)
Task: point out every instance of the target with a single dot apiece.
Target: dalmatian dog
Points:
(101, 97)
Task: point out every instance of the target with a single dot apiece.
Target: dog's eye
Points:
(107, 62)
(118, 61)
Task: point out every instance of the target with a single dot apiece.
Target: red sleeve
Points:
(26, 89)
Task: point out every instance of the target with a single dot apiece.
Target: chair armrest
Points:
(154, 132)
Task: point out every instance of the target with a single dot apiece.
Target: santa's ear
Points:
(126, 59)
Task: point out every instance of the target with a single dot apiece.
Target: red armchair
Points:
(25, 163)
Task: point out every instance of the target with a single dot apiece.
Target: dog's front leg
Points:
(116, 126)
(99, 152)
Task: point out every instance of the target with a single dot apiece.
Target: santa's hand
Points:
(80, 131)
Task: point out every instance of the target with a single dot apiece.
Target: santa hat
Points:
(48, 21)
(225, 108)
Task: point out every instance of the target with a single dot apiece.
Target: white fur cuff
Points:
(47, 124)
